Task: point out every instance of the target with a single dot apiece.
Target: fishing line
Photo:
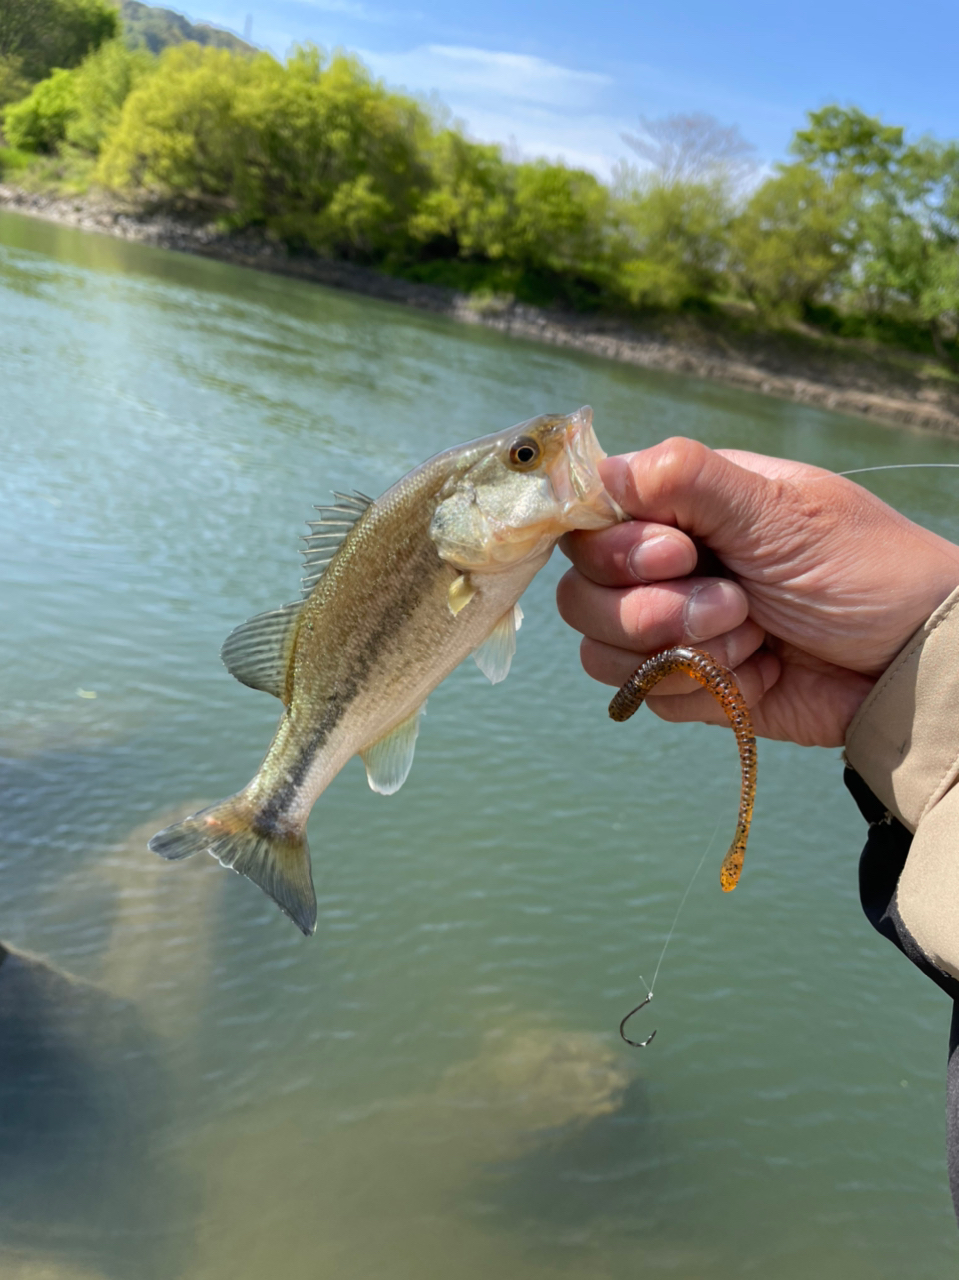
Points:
(641, 1044)
(898, 466)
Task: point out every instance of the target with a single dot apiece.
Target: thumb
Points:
(683, 483)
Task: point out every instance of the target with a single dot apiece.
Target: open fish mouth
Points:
(576, 480)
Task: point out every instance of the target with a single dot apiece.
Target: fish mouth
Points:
(576, 480)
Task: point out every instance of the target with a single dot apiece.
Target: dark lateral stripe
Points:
(388, 626)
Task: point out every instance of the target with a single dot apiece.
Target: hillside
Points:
(146, 25)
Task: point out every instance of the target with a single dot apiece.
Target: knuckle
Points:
(675, 461)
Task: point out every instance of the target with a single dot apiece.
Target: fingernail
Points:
(642, 559)
(709, 610)
(615, 475)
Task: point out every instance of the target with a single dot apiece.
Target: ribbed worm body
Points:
(721, 683)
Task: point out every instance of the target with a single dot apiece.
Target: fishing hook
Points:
(637, 1044)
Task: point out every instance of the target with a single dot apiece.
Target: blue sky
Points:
(564, 79)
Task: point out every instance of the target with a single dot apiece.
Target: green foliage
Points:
(13, 163)
(673, 236)
(787, 247)
(536, 230)
(467, 208)
(845, 141)
(44, 34)
(332, 160)
(178, 132)
(560, 220)
(317, 151)
(39, 122)
(102, 83)
(80, 106)
(13, 83)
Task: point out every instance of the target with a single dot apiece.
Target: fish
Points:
(397, 592)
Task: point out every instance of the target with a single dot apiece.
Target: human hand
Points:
(802, 582)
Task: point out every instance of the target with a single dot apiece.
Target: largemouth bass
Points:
(398, 591)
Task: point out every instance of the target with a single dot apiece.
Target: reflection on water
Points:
(432, 1086)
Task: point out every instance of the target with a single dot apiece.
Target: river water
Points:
(432, 1086)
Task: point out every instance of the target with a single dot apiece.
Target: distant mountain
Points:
(143, 24)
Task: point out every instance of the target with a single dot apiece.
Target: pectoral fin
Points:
(389, 760)
(461, 592)
(494, 655)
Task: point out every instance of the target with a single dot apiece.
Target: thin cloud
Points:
(537, 106)
(351, 8)
(467, 72)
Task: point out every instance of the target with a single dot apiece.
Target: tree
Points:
(467, 210)
(560, 220)
(39, 122)
(900, 224)
(787, 247)
(672, 242)
(13, 83)
(317, 151)
(695, 148)
(101, 84)
(178, 132)
(44, 34)
(79, 106)
(845, 142)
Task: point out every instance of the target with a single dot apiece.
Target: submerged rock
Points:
(545, 1077)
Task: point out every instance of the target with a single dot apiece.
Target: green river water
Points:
(432, 1086)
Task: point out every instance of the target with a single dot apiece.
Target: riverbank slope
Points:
(797, 363)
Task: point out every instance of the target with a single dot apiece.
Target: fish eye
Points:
(524, 453)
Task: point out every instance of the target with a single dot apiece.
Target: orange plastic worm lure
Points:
(721, 683)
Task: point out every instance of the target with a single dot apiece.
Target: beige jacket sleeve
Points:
(904, 744)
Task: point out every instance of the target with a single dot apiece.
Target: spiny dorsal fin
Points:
(327, 534)
(494, 655)
(259, 651)
(389, 760)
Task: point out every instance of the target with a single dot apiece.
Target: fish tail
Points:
(238, 837)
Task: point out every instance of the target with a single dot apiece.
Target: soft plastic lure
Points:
(721, 683)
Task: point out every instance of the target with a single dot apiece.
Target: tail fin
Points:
(278, 863)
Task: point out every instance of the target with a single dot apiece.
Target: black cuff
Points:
(880, 866)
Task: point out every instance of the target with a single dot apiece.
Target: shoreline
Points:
(836, 375)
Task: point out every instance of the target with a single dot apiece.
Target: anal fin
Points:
(389, 760)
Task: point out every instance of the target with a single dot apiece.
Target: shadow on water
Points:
(83, 1103)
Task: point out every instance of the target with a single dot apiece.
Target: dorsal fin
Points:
(259, 651)
(327, 534)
